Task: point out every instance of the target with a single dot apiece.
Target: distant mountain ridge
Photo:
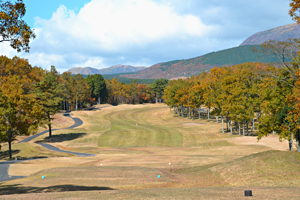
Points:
(194, 66)
(237, 55)
(281, 33)
(117, 69)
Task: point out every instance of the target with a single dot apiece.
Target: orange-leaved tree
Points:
(20, 113)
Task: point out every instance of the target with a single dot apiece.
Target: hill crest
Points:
(281, 33)
(116, 69)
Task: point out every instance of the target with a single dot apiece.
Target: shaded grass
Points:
(19, 189)
(62, 137)
(222, 193)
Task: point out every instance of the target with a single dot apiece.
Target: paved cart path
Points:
(4, 166)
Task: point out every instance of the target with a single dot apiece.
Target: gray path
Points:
(4, 166)
(4, 172)
(53, 148)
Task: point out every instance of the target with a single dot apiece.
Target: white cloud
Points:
(142, 32)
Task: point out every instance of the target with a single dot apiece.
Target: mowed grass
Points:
(135, 143)
(130, 129)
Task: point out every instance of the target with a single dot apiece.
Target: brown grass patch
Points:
(207, 158)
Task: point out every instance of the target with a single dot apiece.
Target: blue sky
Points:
(103, 33)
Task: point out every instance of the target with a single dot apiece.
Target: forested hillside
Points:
(194, 66)
(124, 79)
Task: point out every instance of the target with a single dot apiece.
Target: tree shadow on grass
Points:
(62, 137)
(91, 109)
(5, 154)
(18, 189)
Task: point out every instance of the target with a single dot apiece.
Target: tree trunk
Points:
(159, 100)
(217, 118)
(76, 103)
(243, 129)
(193, 114)
(9, 148)
(230, 127)
(239, 128)
(49, 126)
(291, 142)
(208, 113)
(199, 113)
(298, 146)
(190, 112)
(222, 123)
(156, 98)
(99, 100)
(247, 128)
(182, 111)
(227, 124)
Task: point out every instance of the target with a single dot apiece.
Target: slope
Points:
(281, 33)
(206, 62)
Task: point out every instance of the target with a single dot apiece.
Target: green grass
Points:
(125, 133)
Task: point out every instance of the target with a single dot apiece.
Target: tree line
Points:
(242, 94)
(30, 96)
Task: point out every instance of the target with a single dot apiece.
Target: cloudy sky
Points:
(103, 33)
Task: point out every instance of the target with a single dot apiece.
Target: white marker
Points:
(101, 163)
(169, 163)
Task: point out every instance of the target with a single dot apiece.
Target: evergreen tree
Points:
(48, 93)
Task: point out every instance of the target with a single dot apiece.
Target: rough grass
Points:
(29, 150)
(132, 157)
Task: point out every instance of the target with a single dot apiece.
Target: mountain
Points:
(193, 66)
(281, 33)
(110, 70)
(117, 69)
(84, 70)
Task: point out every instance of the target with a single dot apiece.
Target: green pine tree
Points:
(48, 94)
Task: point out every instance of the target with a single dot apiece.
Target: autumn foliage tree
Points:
(294, 10)
(20, 112)
(12, 28)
